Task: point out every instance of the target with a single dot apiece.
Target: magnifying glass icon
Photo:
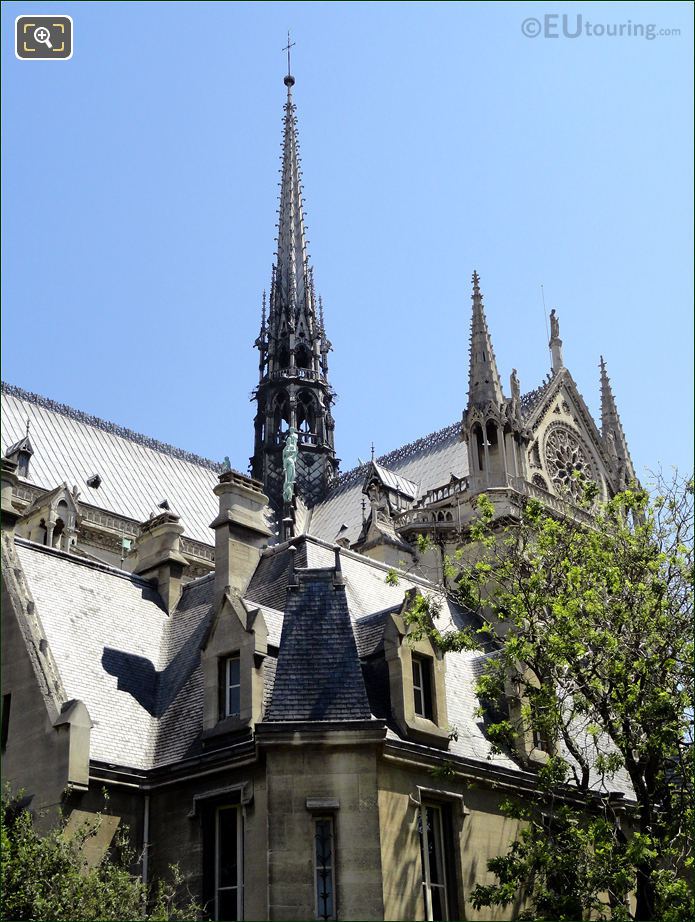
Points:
(43, 36)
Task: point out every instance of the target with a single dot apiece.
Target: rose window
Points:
(567, 462)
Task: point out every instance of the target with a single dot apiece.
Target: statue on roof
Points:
(515, 386)
(554, 325)
(289, 463)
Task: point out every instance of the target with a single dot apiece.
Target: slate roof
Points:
(395, 481)
(138, 670)
(136, 472)
(318, 675)
(429, 462)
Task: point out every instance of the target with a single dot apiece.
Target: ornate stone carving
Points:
(567, 462)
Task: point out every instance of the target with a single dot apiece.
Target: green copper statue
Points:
(289, 463)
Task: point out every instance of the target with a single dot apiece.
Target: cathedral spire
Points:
(612, 429)
(484, 385)
(293, 290)
(293, 390)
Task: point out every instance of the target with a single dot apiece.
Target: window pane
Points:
(438, 904)
(434, 830)
(234, 706)
(227, 848)
(233, 686)
(426, 668)
(417, 678)
(227, 904)
(323, 857)
(431, 829)
(324, 895)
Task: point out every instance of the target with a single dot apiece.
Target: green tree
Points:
(591, 628)
(46, 877)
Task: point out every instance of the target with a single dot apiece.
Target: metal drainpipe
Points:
(145, 838)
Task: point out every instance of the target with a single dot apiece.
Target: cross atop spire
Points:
(484, 385)
(288, 47)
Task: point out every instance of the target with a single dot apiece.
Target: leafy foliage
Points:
(46, 877)
(592, 677)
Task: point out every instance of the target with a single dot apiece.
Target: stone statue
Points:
(226, 464)
(289, 463)
(514, 384)
(554, 325)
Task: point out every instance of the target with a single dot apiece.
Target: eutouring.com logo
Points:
(574, 25)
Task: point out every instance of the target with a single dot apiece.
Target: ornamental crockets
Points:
(293, 392)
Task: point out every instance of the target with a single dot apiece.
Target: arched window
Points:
(480, 450)
(281, 416)
(302, 356)
(306, 413)
(62, 511)
(284, 357)
(493, 445)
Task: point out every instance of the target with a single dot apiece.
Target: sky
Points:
(140, 195)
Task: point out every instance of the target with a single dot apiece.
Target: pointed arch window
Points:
(281, 416)
(306, 413)
(302, 356)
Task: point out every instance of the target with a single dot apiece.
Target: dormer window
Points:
(21, 453)
(417, 671)
(422, 686)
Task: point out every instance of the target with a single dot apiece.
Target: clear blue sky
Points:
(140, 184)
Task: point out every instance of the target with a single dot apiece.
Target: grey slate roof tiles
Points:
(429, 463)
(138, 670)
(318, 675)
(136, 472)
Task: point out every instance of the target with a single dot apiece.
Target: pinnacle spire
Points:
(293, 289)
(293, 393)
(611, 426)
(484, 385)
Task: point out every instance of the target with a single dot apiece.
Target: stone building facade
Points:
(233, 665)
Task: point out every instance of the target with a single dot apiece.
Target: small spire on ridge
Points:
(484, 385)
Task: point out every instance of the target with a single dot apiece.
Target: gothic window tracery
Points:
(567, 462)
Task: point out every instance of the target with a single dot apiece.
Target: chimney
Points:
(9, 482)
(158, 556)
(241, 531)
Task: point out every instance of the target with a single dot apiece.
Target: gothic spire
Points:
(292, 285)
(611, 426)
(484, 385)
(293, 393)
